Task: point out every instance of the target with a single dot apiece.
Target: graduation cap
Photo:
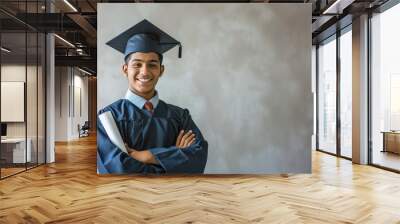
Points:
(144, 37)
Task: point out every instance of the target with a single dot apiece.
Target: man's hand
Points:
(144, 156)
(185, 139)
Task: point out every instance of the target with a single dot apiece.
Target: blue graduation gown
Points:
(158, 133)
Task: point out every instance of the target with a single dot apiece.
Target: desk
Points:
(391, 141)
(13, 150)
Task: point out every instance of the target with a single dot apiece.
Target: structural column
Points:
(50, 92)
(360, 90)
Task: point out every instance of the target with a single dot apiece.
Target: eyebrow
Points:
(151, 61)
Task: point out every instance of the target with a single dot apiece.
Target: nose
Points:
(144, 69)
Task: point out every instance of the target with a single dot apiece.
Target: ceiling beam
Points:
(83, 23)
(83, 61)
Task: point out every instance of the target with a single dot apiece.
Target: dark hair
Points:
(128, 57)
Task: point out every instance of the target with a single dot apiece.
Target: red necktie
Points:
(148, 106)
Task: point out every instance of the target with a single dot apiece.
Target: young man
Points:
(160, 137)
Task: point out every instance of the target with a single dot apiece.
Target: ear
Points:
(162, 70)
(125, 70)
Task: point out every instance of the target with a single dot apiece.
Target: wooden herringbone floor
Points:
(69, 191)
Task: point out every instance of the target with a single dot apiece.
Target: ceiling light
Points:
(70, 5)
(65, 41)
(338, 6)
(331, 7)
(5, 50)
(84, 71)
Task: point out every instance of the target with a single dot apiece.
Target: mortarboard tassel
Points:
(180, 51)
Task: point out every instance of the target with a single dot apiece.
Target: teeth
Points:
(144, 80)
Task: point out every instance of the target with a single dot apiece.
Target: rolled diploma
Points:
(111, 128)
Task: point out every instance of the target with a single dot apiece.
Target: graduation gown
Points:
(158, 133)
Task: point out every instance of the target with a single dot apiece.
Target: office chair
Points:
(84, 130)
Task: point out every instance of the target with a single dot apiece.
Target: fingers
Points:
(186, 137)
(191, 142)
(178, 140)
(182, 136)
(188, 140)
(185, 140)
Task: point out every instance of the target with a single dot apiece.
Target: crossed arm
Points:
(183, 141)
(188, 155)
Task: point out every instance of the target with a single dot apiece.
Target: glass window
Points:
(327, 96)
(41, 99)
(385, 87)
(31, 99)
(22, 91)
(14, 147)
(346, 94)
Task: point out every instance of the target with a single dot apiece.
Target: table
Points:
(391, 141)
(13, 150)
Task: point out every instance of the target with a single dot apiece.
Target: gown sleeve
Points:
(112, 160)
(191, 159)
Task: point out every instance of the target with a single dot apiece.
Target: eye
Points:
(136, 65)
(153, 65)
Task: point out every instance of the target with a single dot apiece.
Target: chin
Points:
(144, 91)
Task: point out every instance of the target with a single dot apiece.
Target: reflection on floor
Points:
(13, 169)
(386, 159)
(347, 152)
(9, 171)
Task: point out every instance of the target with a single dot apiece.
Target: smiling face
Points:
(143, 71)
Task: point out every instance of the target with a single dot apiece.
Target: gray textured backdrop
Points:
(245, 76)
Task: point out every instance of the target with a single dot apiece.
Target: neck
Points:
(146, 96)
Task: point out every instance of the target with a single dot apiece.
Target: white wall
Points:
(12, 73)
(80, 83)
(68, 82)
(61, 103)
